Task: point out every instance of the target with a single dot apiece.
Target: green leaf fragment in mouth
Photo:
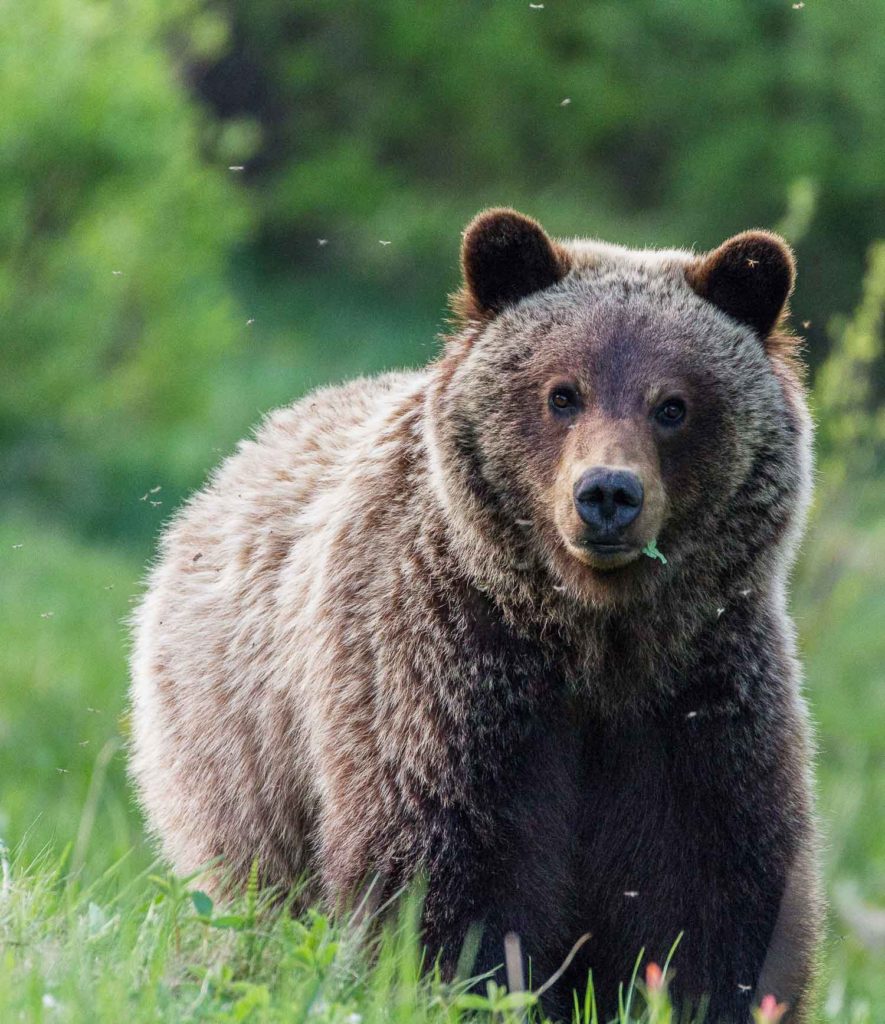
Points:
(651, 549)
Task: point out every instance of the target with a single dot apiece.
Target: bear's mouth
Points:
(607, 548)
(608, 554)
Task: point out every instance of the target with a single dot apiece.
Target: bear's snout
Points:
(608, 502)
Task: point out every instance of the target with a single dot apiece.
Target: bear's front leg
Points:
(380, 850)
(791, 960)
(748, 873)
(479, 810)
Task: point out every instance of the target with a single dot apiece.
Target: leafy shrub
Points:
(851, 417)
(115, 234)
(682, 123)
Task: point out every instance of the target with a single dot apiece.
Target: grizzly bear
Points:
(516, 623)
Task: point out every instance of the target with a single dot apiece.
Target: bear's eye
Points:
(670, 413)
(563, 400)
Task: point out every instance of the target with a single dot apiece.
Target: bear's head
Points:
(599, 405)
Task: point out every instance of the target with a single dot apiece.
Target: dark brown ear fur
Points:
(505, 256)
(750, 277)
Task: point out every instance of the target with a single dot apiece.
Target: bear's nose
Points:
(608, 500)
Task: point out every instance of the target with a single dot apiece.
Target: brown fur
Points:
(750, 277)
(394, 656)
(505, 256)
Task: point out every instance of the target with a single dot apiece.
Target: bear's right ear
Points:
(505, 256)
(749, 277)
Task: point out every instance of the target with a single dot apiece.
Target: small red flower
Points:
(654, 977)
(770, 1011)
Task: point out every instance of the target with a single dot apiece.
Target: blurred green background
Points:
(207, 208)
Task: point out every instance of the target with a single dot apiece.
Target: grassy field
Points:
(91, 931)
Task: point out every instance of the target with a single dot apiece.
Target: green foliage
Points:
(671, 123)
(839, 605)
(115, 234)
(852, 420)
(63, 681)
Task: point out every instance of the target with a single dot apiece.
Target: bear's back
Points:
(215, 734)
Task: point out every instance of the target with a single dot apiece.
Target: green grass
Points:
(63, 683)
(840, 611)
(82, 940)
(156, 949)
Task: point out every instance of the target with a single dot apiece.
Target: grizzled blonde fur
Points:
(354, 628)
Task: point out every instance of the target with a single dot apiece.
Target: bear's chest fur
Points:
(637, 833)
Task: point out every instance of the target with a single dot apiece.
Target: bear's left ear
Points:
(505, 256)
(750, 277)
